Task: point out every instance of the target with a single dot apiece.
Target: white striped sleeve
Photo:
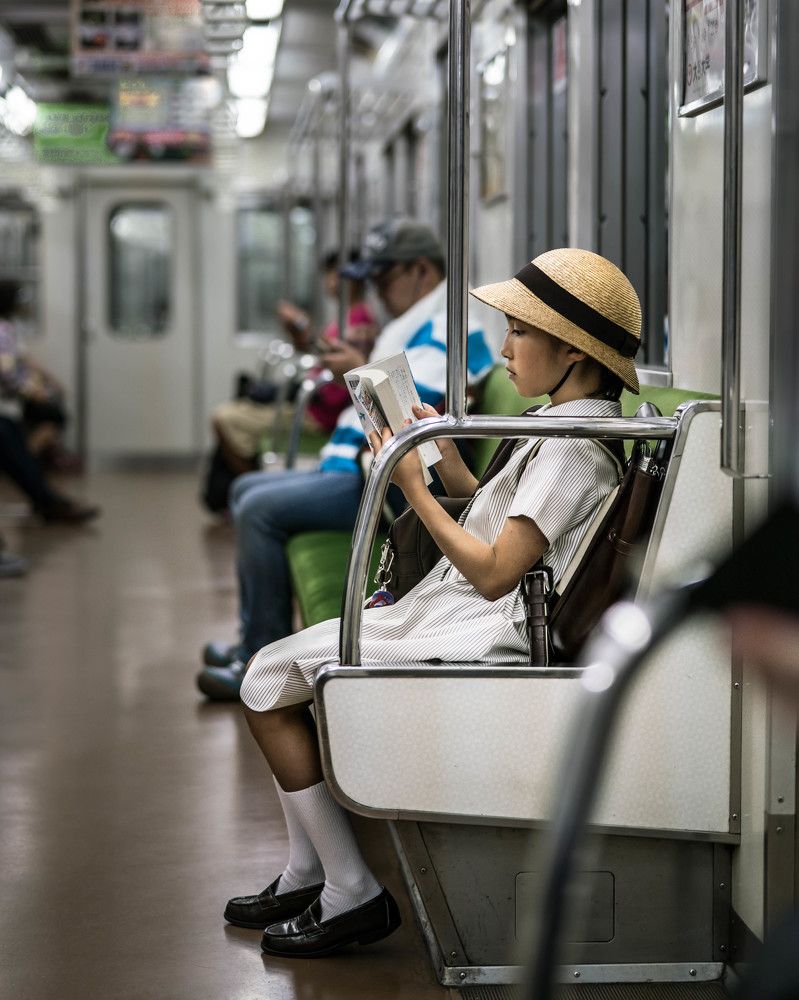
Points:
(558, 487)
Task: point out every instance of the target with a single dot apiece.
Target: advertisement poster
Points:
(703, 50)
(160, 118)
(137, 36)
(72, 135)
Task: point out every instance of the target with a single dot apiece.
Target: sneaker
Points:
(218, 654)
(12, 565)
(222, 683)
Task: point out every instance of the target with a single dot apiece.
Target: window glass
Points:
(260, 267)
(141, 249)
(303, 256)
(19, 237)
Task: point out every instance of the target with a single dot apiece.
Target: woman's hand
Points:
(407, 472)
(445, 445)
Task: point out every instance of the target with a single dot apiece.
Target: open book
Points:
(383, 393)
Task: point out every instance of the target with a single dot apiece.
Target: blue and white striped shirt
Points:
(422, 333)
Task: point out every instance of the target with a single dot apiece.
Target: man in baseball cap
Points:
(404, 262)
(392, 242)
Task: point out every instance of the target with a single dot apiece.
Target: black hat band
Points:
(577, 311)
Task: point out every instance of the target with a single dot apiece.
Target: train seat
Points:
(466, 758)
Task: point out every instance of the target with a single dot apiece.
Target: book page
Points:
(398, 373)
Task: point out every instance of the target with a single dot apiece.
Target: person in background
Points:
(240, 425)
(404, 261)
(21, 384)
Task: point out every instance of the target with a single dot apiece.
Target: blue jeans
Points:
(268, 508)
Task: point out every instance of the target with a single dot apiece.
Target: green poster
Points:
(72, 135)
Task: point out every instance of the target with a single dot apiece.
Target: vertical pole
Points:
(458, 202)
(286, 197)
(731, 443)
(785, 254)
(345, 142)
(316, 167)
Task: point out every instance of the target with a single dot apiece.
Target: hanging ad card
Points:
(137, 36)
(703, 51)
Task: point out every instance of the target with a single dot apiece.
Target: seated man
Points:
(240, 425)
(21, 384)
(404, 261)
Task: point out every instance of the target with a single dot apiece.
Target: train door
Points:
(141, 343)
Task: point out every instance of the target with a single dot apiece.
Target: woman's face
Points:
(536, 361)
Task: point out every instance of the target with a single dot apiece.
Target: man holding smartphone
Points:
(404, 262)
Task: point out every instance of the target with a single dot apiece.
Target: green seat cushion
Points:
(318, 567)
(312, 442)
(665, 399)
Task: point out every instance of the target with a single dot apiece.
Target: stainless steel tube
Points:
(318, 215)
(785, 253)
(301, 401)
(345, 137)
(732, 458)
(458, 203)
(476, 427)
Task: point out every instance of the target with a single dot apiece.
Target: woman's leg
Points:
(287, 738)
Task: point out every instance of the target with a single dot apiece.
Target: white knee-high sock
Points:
(304, 867)
(348, 882)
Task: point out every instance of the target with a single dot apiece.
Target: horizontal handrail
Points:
(661, 428)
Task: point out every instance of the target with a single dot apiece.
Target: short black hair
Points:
(9, 297)
(330, 259)
(610, 385)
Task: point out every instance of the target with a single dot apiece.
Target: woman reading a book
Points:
(573, 328)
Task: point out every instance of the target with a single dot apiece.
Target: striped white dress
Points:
(444, 617)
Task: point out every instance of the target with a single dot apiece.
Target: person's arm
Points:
(340, 358)
(297, 324)
(493, 569)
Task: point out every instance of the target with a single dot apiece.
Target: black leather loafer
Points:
(222, 683)
(219, 654)
(266, 908)
(307, 936)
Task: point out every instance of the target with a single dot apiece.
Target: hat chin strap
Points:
(551, 392)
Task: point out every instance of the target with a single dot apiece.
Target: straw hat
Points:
(580, 298)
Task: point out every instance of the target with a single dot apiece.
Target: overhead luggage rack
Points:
(353, 10)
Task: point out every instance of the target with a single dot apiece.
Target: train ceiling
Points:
(40, 33)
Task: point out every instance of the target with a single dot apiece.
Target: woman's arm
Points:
(453, 471)
(493, 569)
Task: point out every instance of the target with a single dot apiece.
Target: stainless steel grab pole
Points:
(732, 457)
(316, 140)
(474, 427)
(458, 203)
(345, 137)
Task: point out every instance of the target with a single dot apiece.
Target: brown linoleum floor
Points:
(130, 809)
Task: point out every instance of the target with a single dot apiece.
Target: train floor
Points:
(130, 809)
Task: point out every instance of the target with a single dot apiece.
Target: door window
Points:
(140, 260)
(261, 267)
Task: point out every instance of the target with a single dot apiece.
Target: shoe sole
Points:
(216, 690)
(250, 926)
(364, 939)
